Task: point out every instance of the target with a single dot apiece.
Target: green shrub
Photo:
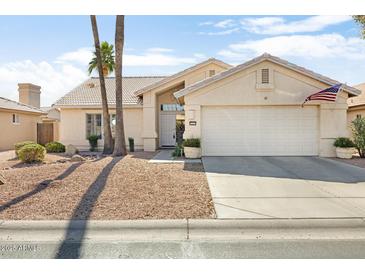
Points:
(358, 132)
(19, 145)
(55, 147)
(343, 142)
(93, 141)
(131, 144)
(178, 152)
(193, 142)
(32, 153)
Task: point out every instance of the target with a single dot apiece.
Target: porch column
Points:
(333, 124)
(149, 134)
(192, 121)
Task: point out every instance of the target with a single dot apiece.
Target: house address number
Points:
(192, 123)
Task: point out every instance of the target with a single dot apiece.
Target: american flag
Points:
(328, 94)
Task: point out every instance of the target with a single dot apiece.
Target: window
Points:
(265, 79)
(172, 107)
(93, 125)
(16, 119)
(211, 73)
(358, 116)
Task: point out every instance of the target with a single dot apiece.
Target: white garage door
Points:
(259, 131)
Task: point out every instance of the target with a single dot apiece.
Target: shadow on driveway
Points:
(306, 168)
(71, 246)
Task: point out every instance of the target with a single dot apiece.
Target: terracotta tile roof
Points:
(13, 105)
(88, 93)
(257, 60)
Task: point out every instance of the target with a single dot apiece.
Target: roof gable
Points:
(257, 60)
(182, 73)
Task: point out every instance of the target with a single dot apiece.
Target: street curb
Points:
(182, 223)
(181, 230)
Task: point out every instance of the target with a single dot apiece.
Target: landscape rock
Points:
(77, 158)
(71, 150)
(62, 160)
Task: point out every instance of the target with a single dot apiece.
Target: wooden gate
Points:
(44, 133)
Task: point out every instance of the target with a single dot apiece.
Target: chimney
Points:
(29, 94)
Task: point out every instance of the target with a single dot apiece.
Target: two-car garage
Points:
(255, 109)
(259, 130)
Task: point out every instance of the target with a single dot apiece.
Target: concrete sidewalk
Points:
(165, 157)
(331, 238)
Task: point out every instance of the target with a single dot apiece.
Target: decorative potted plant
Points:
(192, 148)
(344, 148)
(93, 141)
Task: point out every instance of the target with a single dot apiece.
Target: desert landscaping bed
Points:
(103, 189)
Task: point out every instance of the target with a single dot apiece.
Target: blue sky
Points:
(53, 51)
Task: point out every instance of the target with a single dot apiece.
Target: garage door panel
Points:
(252, 131)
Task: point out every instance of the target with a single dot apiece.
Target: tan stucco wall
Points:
(153, 99)
(356, 106)
(72, 127)
(351, 115)
(289, 88)
(11, 133)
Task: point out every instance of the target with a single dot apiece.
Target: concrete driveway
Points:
(285, 187)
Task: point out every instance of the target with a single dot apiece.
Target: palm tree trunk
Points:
(119, 146)
(108, 141)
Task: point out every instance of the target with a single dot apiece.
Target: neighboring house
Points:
(251, 109)
(18, 120)
(356, 105)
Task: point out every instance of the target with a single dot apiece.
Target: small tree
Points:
(358, 130)
(107, 59)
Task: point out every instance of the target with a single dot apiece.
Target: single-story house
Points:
(18, 120)
(253, 109)
(356, 105)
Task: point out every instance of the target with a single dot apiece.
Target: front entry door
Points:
(167, 129)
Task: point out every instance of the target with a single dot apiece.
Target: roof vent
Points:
(265, 76)
(91, 85)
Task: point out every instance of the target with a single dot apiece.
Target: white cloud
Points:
(70, 69)
(159, 50)
(219, 33)
(156, 59)
(149, 57)
(278, 25)
(225, 23)
(200, 55)
(81, 56)
(55, 80)
(207, 23)
(307, 46)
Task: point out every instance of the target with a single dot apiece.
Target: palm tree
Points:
(360, 19)
(119, 146)
(107, 59)
(108, 141)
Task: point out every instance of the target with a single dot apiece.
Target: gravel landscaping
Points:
(103, 189)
